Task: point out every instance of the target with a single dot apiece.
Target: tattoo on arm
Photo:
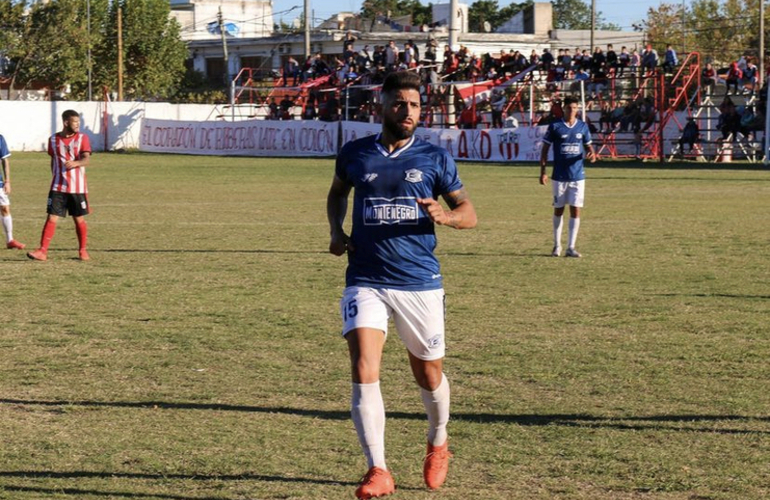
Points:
(455, 198)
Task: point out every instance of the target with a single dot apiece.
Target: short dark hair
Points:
(70, 113)
(569, 100)
(401, 80)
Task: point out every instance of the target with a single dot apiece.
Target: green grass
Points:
(197, 356)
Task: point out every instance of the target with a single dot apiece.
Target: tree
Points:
(48, 43)
(153, 52)
(576, 15)
(719, 31)
(489, 11)
(421, 14)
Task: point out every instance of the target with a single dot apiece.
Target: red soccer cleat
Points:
(376, 483)
(83, 255)
(38, 254)
(436, 465)
(15, 245)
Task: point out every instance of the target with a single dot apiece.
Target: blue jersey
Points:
(392, 237)
(4, 153)
(568, 149)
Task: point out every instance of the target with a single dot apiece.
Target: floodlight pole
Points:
(224, 46)
(120, 53)
(454, 27)
(593, 25)
(88, 17)
(307, 29)
(761, 75)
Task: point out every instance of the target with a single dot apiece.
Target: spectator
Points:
(624, 60)
(307, 69)
(649, 59)
(285, 112)
(670, 60)
(451, 64)
(409, 56)
(469, 116)
(290, 70)
(612, 59)
(690, 135)
(309, 113)
(498, 102)
(416, 50)
(733, 78)
(635, 62)
(708, 77)
(320, 67)
(273, 113)
(599, 59)
(566, 61)
(729, 122)
(430, 52)
(534, 58)
(647, 113)
(364, 58)
(750, 76)
(378, 58)
(605, 118)
(546, 61)
(391, 56)
(598, 83)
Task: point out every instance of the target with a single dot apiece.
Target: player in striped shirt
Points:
(5, 202)
(70, 151)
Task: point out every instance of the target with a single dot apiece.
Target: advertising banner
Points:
(495, 145)
(245, 138)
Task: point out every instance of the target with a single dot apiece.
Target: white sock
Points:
(557, 225)
(437, 407)
(368, 411)
(574, 226)
(8, 226)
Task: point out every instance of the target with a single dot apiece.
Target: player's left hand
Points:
(7, 187)
(434, 210)
(591, 156)
(69, 165)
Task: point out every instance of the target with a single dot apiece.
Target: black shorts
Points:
(60, 204)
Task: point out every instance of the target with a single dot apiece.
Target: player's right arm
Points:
(544, 162)
(6, 176)
(336, 208)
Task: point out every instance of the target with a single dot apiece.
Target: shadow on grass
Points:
(211, 250)
(715, 295)
(650, 422)
(79, 493)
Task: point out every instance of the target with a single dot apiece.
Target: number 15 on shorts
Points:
(349, 310)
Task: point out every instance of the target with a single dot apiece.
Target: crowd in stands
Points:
(370, 65)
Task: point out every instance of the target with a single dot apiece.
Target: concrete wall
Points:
(29, 125)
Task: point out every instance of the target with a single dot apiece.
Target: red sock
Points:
(82, 229)
(48, 231)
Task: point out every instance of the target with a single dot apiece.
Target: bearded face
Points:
(401, 113)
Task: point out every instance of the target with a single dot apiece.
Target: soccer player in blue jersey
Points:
(5, 192)
(392, 271)
(571, 139)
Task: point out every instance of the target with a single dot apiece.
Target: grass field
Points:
(197, 356)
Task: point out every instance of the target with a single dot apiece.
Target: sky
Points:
(621, 12)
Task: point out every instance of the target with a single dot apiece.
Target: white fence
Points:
(27, 126)
(189, 129)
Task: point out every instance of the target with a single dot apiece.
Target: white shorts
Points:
(568, 193)
(4, 200)
(418, 316)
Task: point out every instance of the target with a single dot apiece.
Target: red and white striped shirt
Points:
(63, 149)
